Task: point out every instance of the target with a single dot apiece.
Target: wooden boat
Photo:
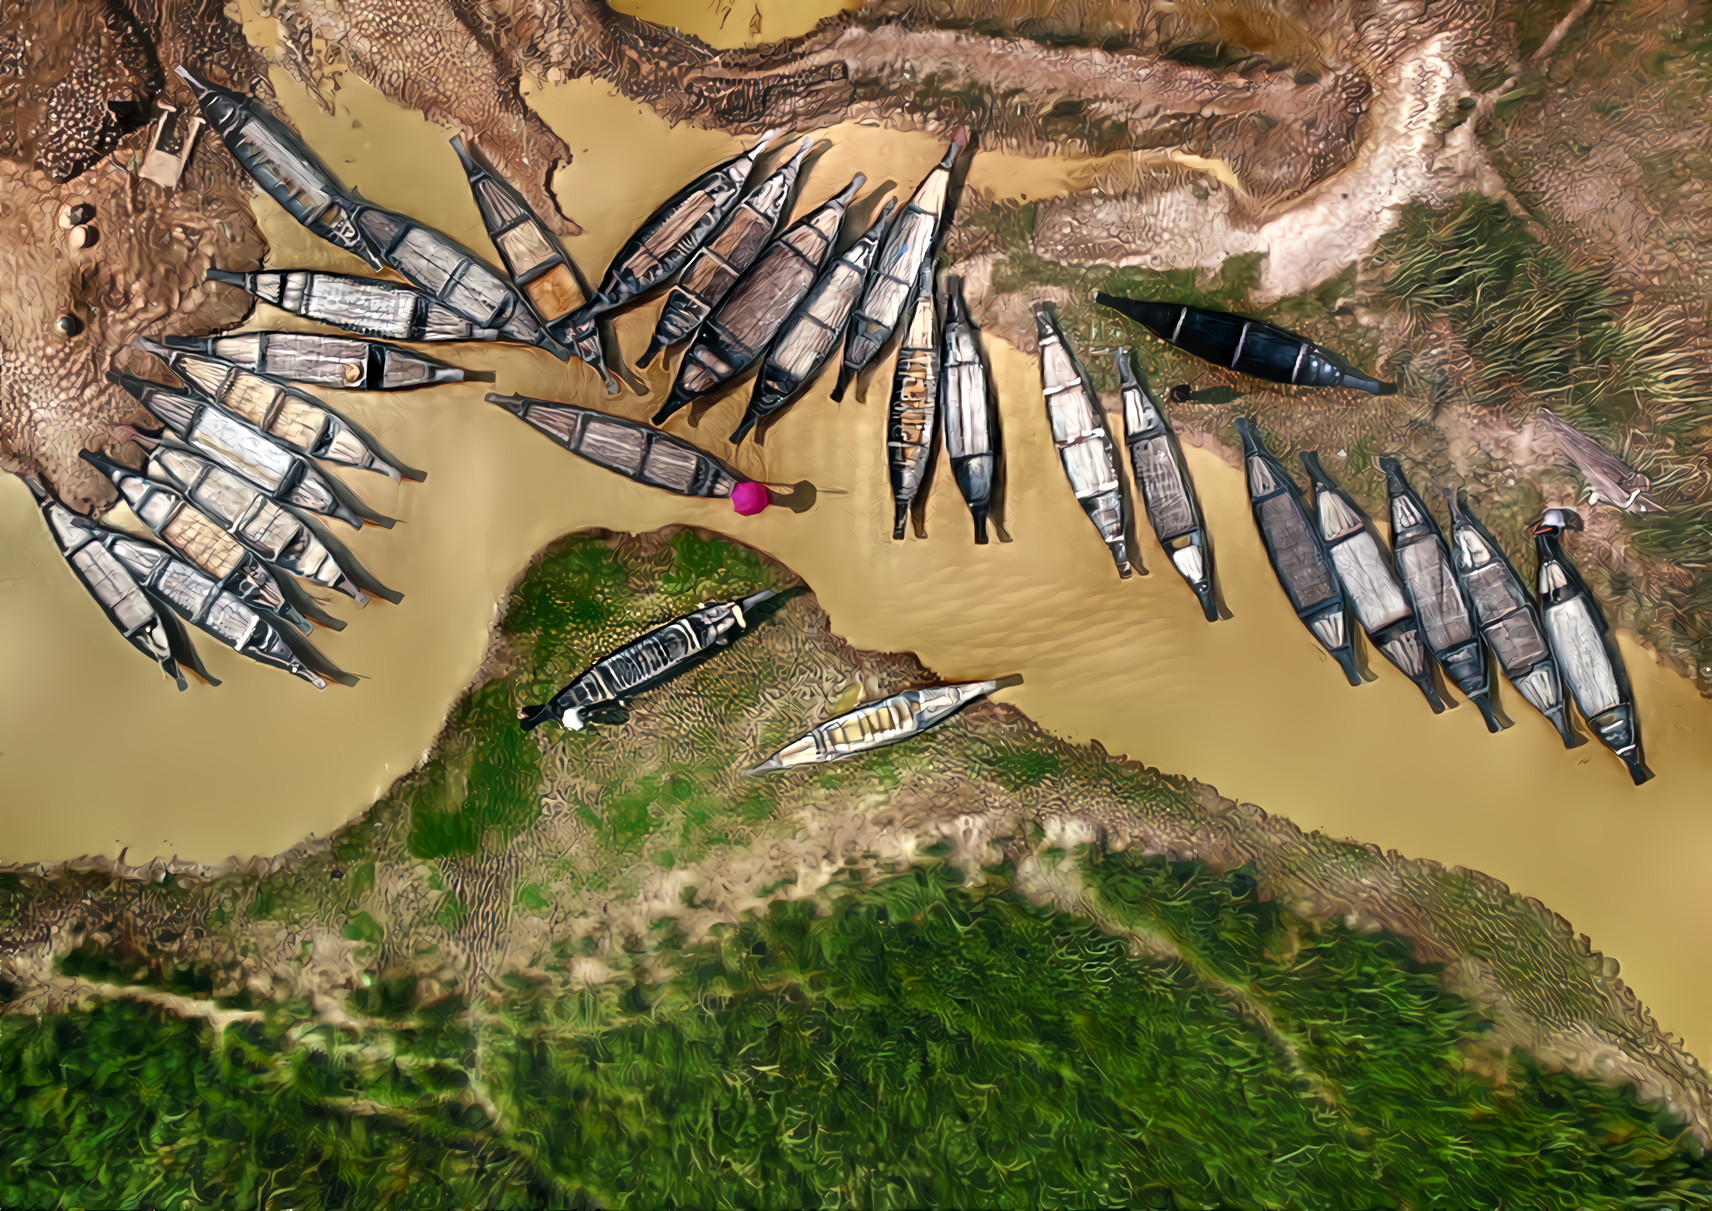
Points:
(282, 164)
(911, 242)
(635, 451)
(1608, 477)
(669, 237)
(536, 261)
(1373, 590)
(1508, 621)
(152, 631)
(717, 265)
(371, 306)
(914, 410)
(1586, 652)
(1167, 492)
(1247, 346)
(813, 331)
(647, 662)
(287, 541)
(1079, 433)
(1297, 552)
(876, 725)
(201, 540)
(966, 411)
(1441, 603)
(744, 324)
(291, 417)
(285, 475)
(342, 363)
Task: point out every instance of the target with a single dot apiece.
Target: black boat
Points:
(1248, 346)
(914, 411)
(893, 281)
(716, 266)
(1162, 480)
(537, 263)
(341, 363)
(745, 323)
(1586, 650)
(371, 306)
(1508, 620)
(966, 409)
(813, 329)
(1298, 553)
(669, 237)
(1369, 584)
(1439, 599)
(647, 662)
(1079, 433)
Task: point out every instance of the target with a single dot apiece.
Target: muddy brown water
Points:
(98, 752)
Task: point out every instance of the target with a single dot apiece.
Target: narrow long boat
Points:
(1079, 433)
(717, 265)
(971, 428)
(371, 306)
(635, 451)
(1297, 552)
(1247, 346)
(744, 324)
(292, 543)
(341, 363)
(876, 725)
(1167, 492)
(151, 630)
(1439, 599)
(285, 475)
(201, 540)
(294, 418)
(1508, 620)
(669, 237)
(1369, 582)
(1586, 652)
(536, 261)
(813, 330)
(646, 662)
(914, 410)
(912, 241)
(282, 164)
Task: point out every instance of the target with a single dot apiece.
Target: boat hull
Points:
(1166, 490)
(876, 725)
(966, 412)
(914, 407)
(317, 359)
(371, 306)
(1079, 433)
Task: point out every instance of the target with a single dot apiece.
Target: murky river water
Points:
(99, 752)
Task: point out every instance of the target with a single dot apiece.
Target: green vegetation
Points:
(908, 1042)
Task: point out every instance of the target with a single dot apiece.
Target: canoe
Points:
(716, 266)
(535, 260)
(292, 543)
(1079, 433)
(285, 475)
(1162, 480)
(876, 725)
(1608, 477)
(966, 410)
(1585, 649)
(914, 410)
(290, 416)
(1508, 620)
(341, 363)
(1441, 603)
(200, 539)
(371, 306)
(647, 662)
(281, 163)
(1364, 567)
(669, 237)
(635, 451)
(1297, 552)
(1244, 345)
(813, 330)
(152, 631)
(912, 241)
(744, 324)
